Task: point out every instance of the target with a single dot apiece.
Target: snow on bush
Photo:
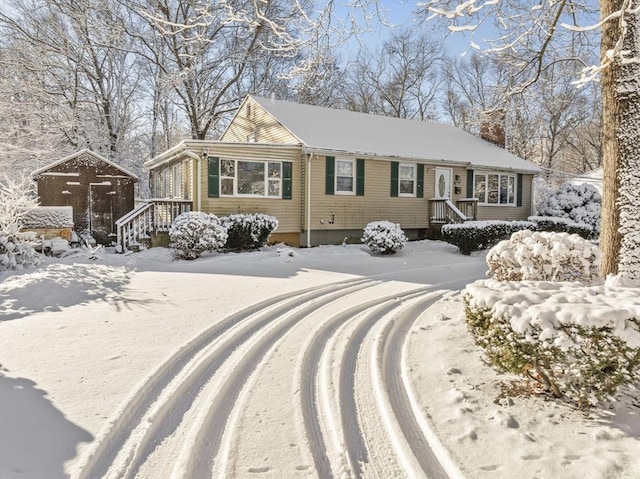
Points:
(16, 197)
(579, 203)
(476, 235)
(578, 342)
(561, 225)
(16, 253)
(195, 232)
(384, 237)
(248, 230)
(544, 256)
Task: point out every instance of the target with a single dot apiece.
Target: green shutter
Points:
(287, 168)
(519, 190)
(395, 167)
(420, 185)
(213, 183)
(330, 171)
(359, 177)
(470, 184)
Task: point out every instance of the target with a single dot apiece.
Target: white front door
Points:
(443, 183)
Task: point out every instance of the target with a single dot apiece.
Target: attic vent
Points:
(248, 111)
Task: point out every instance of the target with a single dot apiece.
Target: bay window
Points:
(495, 188)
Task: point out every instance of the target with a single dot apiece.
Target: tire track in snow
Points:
(390, 354)
(103, 457)
(355, 443)
(309, 378)
(201, 453)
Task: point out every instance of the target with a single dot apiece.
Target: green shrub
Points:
(561, 225)
(248, 231)
(477, 235)
(579, 343)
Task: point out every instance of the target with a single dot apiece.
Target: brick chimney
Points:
(492, 127)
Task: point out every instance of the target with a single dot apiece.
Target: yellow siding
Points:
(287, 211)
(354, 212)
(259, 125)
(510, 212)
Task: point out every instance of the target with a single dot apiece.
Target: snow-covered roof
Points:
(593, 177)
(328, 129)
(82, 152)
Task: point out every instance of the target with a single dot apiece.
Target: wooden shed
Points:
(98, 190)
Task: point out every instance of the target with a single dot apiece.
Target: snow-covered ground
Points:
(280, 363)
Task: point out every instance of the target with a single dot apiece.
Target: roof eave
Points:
(392, 157)
(78, 153)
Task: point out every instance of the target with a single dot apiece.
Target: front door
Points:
(443, 183)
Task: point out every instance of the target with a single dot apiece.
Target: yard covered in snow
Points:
(80, 338)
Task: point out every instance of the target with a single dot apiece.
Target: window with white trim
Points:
(345, 177)
(251, 178)
(495, 188)
(407, 179)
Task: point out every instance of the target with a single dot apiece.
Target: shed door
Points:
(443, 183)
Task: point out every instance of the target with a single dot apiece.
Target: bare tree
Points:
(205, 50)
(400, 79)
(76, 56)
(534, 38)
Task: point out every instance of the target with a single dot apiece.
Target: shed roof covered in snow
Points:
(323, 129)
(78, 154)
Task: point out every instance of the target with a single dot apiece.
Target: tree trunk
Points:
(609, 229)
(628, 134)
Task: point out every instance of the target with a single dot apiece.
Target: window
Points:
(345, 177)
(251, 178)
(495, 188)
(407, 179)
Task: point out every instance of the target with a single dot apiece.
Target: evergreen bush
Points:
(248, 231)
(578, 203)
(477, 235)
(384, 237)
(561, 225)
(195, 232)
(579, 343)
(544, 256)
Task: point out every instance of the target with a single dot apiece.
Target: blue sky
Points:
(399, 13)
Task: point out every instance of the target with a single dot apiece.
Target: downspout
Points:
(309, 200)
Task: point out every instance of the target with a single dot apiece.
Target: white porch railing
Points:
(154, 216)
(443, 210)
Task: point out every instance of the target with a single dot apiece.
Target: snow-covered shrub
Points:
(248, 230)
(16, 253)
(578, 342)
(384, 237)
(194, 232)
(544, 256)
(16, 197)
(561, 225)
(579, 203)
(477, 235)
(541, 190)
